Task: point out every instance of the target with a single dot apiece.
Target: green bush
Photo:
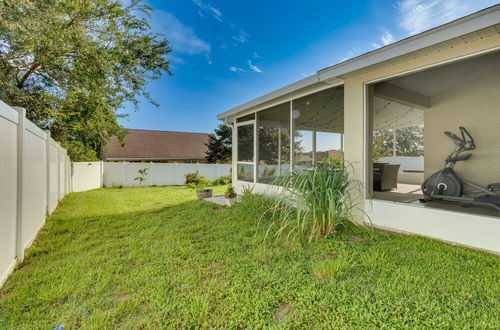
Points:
(196, 181)
(222, 180)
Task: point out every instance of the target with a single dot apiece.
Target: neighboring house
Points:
(436, 81)
(158, 146)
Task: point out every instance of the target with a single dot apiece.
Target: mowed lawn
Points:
(156, 257)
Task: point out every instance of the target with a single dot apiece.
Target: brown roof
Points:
(147, 144)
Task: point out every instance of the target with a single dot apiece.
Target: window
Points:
(245, 143)
(274, 142)
(245, 152)
(245, 172)
(319, 124)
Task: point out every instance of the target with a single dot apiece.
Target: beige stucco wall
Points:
(477, 107)
(354, 98)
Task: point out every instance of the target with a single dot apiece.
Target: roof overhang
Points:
(333, 74)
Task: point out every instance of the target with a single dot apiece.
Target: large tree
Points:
(219, 145)
(73, 63)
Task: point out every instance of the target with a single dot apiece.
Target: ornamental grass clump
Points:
(314, 202)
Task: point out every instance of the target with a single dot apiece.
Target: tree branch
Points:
(28, 73)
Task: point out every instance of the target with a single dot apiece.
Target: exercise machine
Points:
(446, 185)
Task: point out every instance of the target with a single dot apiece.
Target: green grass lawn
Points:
(156, 257)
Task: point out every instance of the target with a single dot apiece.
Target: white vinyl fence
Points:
(93, 175)
(87, 176)
(34, 176)
(159, 174)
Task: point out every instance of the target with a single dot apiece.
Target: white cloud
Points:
(255, 55)
(235, 69)
(213, 11)
(183, 39)
(385, 39)
(416, 16)
(254, 68)
(242, 37)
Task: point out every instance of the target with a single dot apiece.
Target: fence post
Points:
(47, 157)
(20, 175)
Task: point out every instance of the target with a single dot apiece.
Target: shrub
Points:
(314, 203)
(222, 180)
(194, 177)
(196, 181)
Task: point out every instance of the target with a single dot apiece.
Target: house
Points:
(417, 89)
(158, 146)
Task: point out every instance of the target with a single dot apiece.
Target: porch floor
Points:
(412, 193)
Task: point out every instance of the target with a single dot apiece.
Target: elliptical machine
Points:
(446, 185)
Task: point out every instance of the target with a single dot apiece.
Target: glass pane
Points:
(303, 148)
(245, 143)
(274, 142)
(328, 147)
(319, 115)
(245, 172)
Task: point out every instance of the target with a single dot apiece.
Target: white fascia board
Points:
(454, 29)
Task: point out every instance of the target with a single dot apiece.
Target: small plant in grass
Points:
(143, 172)
(315, 202)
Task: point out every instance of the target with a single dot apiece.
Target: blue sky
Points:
(228, 52)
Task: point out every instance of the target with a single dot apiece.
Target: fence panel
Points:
(162, 174)
(34, 188)
(62, 171)
(32, 179)
(8, 189)
(159, 174)
(86, 176)
(53, 176)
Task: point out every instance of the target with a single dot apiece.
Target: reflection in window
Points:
(274, 142)
(303, 148)
(245, 143)
(245, 172)
(319, 123)
(328, 147)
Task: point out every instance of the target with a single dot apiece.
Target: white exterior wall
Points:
(31, 176)
(467, 229)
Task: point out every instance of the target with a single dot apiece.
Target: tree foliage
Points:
(72, 64)
(219, 145)
(409, 142)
